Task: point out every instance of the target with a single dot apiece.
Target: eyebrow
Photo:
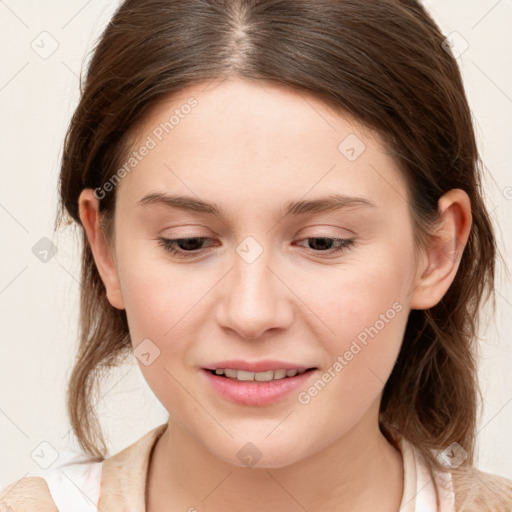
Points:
(328, 203)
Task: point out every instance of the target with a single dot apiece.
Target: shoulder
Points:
(478, 491)
(73, 484)
(27, 494)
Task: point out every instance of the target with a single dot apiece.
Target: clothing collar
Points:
(123, 477)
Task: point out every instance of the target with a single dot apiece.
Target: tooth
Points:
(279, 374)
(243, 375)
(264, 376)
(267, 376)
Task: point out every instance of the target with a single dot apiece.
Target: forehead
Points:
(257, 141)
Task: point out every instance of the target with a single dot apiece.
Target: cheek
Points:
(368, 322)
(154, 292)
(160, 302)
(156, 305)
(364, 309)
(165, 303)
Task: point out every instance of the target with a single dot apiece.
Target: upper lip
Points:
(257, 366)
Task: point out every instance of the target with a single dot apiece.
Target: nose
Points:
(254, 298)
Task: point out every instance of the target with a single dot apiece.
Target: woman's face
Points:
(266, 284)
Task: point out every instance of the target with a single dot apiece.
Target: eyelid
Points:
(171, 246)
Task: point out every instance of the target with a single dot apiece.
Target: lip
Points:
(255, 392)
(257, 366)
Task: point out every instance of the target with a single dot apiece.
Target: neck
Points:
(360, 471)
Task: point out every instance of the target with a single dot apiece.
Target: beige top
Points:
(118, 484)
(128, 470)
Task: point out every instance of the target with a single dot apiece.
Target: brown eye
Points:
(325, 244)
(181, 246)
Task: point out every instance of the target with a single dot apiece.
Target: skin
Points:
(251, 148)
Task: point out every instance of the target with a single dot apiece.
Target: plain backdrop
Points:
(43, 48)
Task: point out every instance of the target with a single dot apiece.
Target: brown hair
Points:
(380, 61)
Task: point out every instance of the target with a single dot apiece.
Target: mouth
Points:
(257, 388)
(267, 376)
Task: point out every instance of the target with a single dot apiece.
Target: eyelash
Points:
(170, 245)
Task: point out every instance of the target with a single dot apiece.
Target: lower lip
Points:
(256, 392)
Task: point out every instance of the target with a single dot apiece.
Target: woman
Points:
(282, 218)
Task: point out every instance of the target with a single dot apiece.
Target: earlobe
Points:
(441, 258)
(88, 206)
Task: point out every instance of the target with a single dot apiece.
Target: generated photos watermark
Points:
(157, 135)
(357, 345)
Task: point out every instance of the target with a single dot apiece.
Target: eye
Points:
(325, 244)
(191, 246)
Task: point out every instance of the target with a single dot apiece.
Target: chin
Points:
(253, 455)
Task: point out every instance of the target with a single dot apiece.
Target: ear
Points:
(88, 207)
(440, 261)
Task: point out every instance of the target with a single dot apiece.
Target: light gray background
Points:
(39, 301)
